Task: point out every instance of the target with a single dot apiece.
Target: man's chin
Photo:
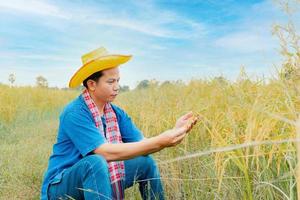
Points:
(111, 99)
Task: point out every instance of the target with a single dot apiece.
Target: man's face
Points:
(107, 87)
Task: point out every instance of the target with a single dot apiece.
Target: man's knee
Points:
(149, 162)
(96, 162)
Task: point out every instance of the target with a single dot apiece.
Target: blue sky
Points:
(169, 40)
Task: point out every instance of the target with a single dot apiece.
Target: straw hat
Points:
(95, 61)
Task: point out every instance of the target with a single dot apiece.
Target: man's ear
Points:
(91, 85)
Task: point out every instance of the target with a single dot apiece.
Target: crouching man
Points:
(99, 151)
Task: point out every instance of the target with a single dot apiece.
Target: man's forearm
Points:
(124, 151)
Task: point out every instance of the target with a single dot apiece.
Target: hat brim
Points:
(105, 62)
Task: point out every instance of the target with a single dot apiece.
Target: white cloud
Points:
(148, 18)
(252, 34)
(245, 42)
(36, 57)
(137, 26)
(46, 57)
(34, 7)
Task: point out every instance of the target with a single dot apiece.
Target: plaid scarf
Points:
(116, 168)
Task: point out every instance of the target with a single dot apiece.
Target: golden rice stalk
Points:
(298, 159)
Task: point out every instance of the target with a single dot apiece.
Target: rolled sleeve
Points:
(82, 131)
(129, 131)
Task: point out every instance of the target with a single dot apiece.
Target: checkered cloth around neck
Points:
(116, 168)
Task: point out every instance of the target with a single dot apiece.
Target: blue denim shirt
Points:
(78, 136)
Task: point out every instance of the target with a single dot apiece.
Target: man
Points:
(99, 151)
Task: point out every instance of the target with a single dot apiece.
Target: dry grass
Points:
(232, 113)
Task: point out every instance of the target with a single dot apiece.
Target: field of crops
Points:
(255, 113)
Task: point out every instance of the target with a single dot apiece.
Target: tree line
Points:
(43, 83)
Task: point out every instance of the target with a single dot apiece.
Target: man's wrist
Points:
(160, 142)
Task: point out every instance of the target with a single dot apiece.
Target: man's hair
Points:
(95, 77)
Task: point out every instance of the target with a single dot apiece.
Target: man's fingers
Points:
(194, 120)
(191, 123)
(188, 115)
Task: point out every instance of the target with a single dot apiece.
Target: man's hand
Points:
(188, 121)
(183, 125)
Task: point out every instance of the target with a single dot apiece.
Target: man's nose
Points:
(116, 87)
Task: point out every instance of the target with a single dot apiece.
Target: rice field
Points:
(232, 114)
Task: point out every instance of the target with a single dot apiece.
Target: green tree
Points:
(124, 88)
(41, 81)
(166, 83)
(143, 84)
(12, 79)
